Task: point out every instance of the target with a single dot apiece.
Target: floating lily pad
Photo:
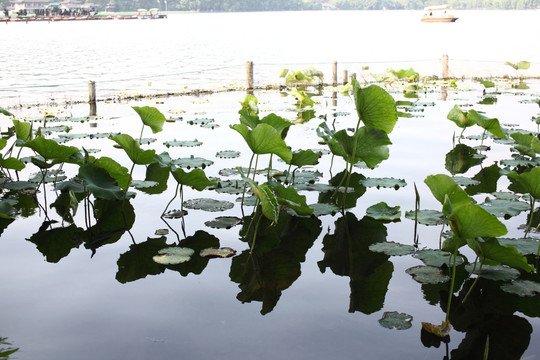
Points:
(223, 222)
(173, 255)
(426, 217)
(19, 185)
(248, 200)
(302, 177)
(161, 232)
(179, 143)
(320, 209)
(502, 208)
(208, 204)
(223, 252)
(382, 211)
(142, 184)
(523, 288)
(391, 248)
(439, 330)
(228, 154)
(49, 177)
(175, 214)
(234, 187)
(147, 141)
(506, 195)
(437, 258)
(465, 181)
(395, 320)
(495, 273)
(427, 274)
(192, 162)
(526, 246)
(211, 125)
(200, 121)
(383, 182)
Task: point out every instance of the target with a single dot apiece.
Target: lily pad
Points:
(208, 204)
(437, 258)
(175, 214)
(383, 182)
(320, 209)
(495, 273)
(223, 252)
(426, 217)
(200, 121)
(465, 181)
(427, 274)
(382, 211)
(142, 184)
(523, 288)
(391, 248)
(161, 232)
(228, 154)
(223, 222)
(439, 330)
(192, 162)
(501, 208)
(234, 187)
(186, 143)
(526, 246)
(395, 320)
(173, 255)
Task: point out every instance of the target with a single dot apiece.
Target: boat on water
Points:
(439, 13)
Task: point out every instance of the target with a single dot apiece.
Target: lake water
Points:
(43, 61)
(88, 306)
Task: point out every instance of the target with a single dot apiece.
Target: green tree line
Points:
(290, 5)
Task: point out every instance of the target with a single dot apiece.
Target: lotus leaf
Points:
(173, 255)
(115, 170)
(269, 204)
(490, 251)
(427, 274)
(208, 204)
(426, 217)
(526, 246)
(196, 178)
(151, 117)
(100, 183)
(442, 186)
(223, 252)
(391, 248)
(50, 149)
(183, 143)
(142, 184)
(503, 208)
(147, 141)
(265, 139)
(526, 183)
(200, 121)
(192, 162)
(383, 182)
(460, 159)
(223, 222)
(439, 330)
(175, 214)
(495, 273)
(161, 232)
(305, 157)
(50, 176)
(382, 211)
(133, 149)
(230, 186)
(228, 154)
(395, 320)
(437, 258)
(522, 288)
(291, 199)
(320, 209)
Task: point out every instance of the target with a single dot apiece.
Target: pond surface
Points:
(305, 297)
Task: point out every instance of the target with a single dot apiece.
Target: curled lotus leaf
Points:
(383, 183)
(426, 217)
(223, 252)
(396, 320)
(523, 288)
(223, 222)
(186, 143)
(496, 273)
(437, 258)
(192, 162)
(228, 154)
(391, 248)
(206, 204)
(173, 255)
(427, 274)
(439, 330)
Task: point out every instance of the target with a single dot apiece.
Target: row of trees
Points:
(276, 5)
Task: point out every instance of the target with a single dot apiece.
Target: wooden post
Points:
(92, 97)
(334, 73)
(353, 76)
(249, 75)
(345, 77)
(445, 67)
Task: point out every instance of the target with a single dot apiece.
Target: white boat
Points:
(438, 14)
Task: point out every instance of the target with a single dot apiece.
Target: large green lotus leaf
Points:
(133, 149)
(437, 258)
(526, 183)
(487, 178)
(382, 211)
(291, 199)
(443, 185)
(196, 178)
(369, 145)
(490, 249)
(249, 118)
(23, 130)
(269, 204)
(305, 157)
(383, 182)
(11, 163)
(495, 273)
(159, 175)
(460, 159)
(98, 181)
(375, 107)
(490, 124)
(395, 320)
(277, 122)
(470, 221)
(522, 288)
(503, 208)
(151, 117)
(391, 248)
(208, 204)
(527, 141)
(426, 217)
(427, 274)
(526, 246)
(303, 99)
(117, 171)
(459, 117)
(265, 139)
(50, 149)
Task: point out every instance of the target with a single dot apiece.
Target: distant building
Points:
(29, 5)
